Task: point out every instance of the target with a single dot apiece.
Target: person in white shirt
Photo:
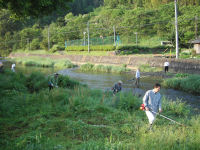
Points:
(13, 67)
(166, 65)
(137, 78)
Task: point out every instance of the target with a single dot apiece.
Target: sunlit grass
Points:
(184, 82)
(76, 117)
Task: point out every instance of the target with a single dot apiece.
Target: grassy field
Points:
(73, 117)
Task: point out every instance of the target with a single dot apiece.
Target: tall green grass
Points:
(92, 48)
(148, 68)
(184, 82)
(103, 68)
(44, 62)
(81, 118)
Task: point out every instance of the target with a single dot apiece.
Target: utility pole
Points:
(114, 34)
(176, 27)
(84, 37)
(48, 39)
(88, 37)
(196, 27)
(28, 43)
(136, 38)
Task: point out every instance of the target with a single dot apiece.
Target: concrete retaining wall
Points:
(130, 61)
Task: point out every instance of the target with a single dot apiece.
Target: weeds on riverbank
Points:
(44, 62)
(103, 68)
(81, 118)
(184, 82)
(148, 68)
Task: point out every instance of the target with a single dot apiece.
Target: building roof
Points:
(197, 41)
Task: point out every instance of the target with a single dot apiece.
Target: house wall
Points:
(197, 48)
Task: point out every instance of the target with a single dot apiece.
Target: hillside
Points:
(134, 22)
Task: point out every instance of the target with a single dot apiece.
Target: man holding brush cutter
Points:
(152, 103)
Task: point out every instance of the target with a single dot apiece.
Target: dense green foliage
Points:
(81, 118)
(36, 8)
(152, 25)
(103, 68)
(184, 82)
(147, 3)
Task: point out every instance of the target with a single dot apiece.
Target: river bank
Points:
(73, 117)
(180, 65)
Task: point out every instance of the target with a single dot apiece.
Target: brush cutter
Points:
(130, 80)
(142, 107)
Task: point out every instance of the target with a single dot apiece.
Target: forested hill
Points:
(147, 3)
(149, 18)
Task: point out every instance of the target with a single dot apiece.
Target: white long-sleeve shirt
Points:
(13, 66)
(166, 64)
(137, 74)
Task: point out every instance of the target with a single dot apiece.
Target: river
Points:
(105, 81)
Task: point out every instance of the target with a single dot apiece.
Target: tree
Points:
(35, 8)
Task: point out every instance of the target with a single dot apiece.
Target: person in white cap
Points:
(13, 67)
(117, 87)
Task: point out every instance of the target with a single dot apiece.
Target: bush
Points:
(92, 48)
(4, 53)
(44, 44)
(102, 68)
(189, 83)
(181, 75)
(36, 82)
(66, 82)
(64, 64)
(132, 49)
(57, 48)
(35, 44)
(148, 68)
(12, 82)
(87, 67)
(127, 102)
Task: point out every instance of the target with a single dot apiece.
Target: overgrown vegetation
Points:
(184, 82)
(44, 62)
(81, 118)
(148, 68)
(103, 68)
